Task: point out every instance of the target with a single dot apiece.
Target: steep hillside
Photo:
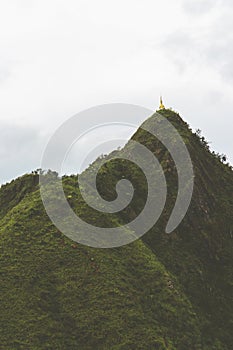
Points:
(199, 252)
(60, 295)
(165, 291)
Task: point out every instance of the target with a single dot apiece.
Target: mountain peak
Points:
(164, 291)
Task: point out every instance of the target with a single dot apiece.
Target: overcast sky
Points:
(60, 57)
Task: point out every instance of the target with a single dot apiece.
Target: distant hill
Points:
(164, 291)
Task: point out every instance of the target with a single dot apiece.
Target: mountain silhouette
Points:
(168, 291)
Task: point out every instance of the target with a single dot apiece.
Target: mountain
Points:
(163, 291)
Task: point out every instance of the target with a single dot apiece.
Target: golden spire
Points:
(161, 103)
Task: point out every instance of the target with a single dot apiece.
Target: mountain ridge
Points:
(160, 292)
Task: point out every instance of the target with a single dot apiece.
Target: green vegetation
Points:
(165, 291)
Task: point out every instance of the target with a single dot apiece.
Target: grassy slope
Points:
(60, 295)
(165, 292)
(199, 252)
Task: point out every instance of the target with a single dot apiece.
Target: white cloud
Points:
(59, 57)
(20, 150)
(199, 7)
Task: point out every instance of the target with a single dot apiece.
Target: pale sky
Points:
(59, 57)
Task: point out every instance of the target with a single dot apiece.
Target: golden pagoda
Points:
(161, 103)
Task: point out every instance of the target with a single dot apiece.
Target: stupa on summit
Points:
(161, 106)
